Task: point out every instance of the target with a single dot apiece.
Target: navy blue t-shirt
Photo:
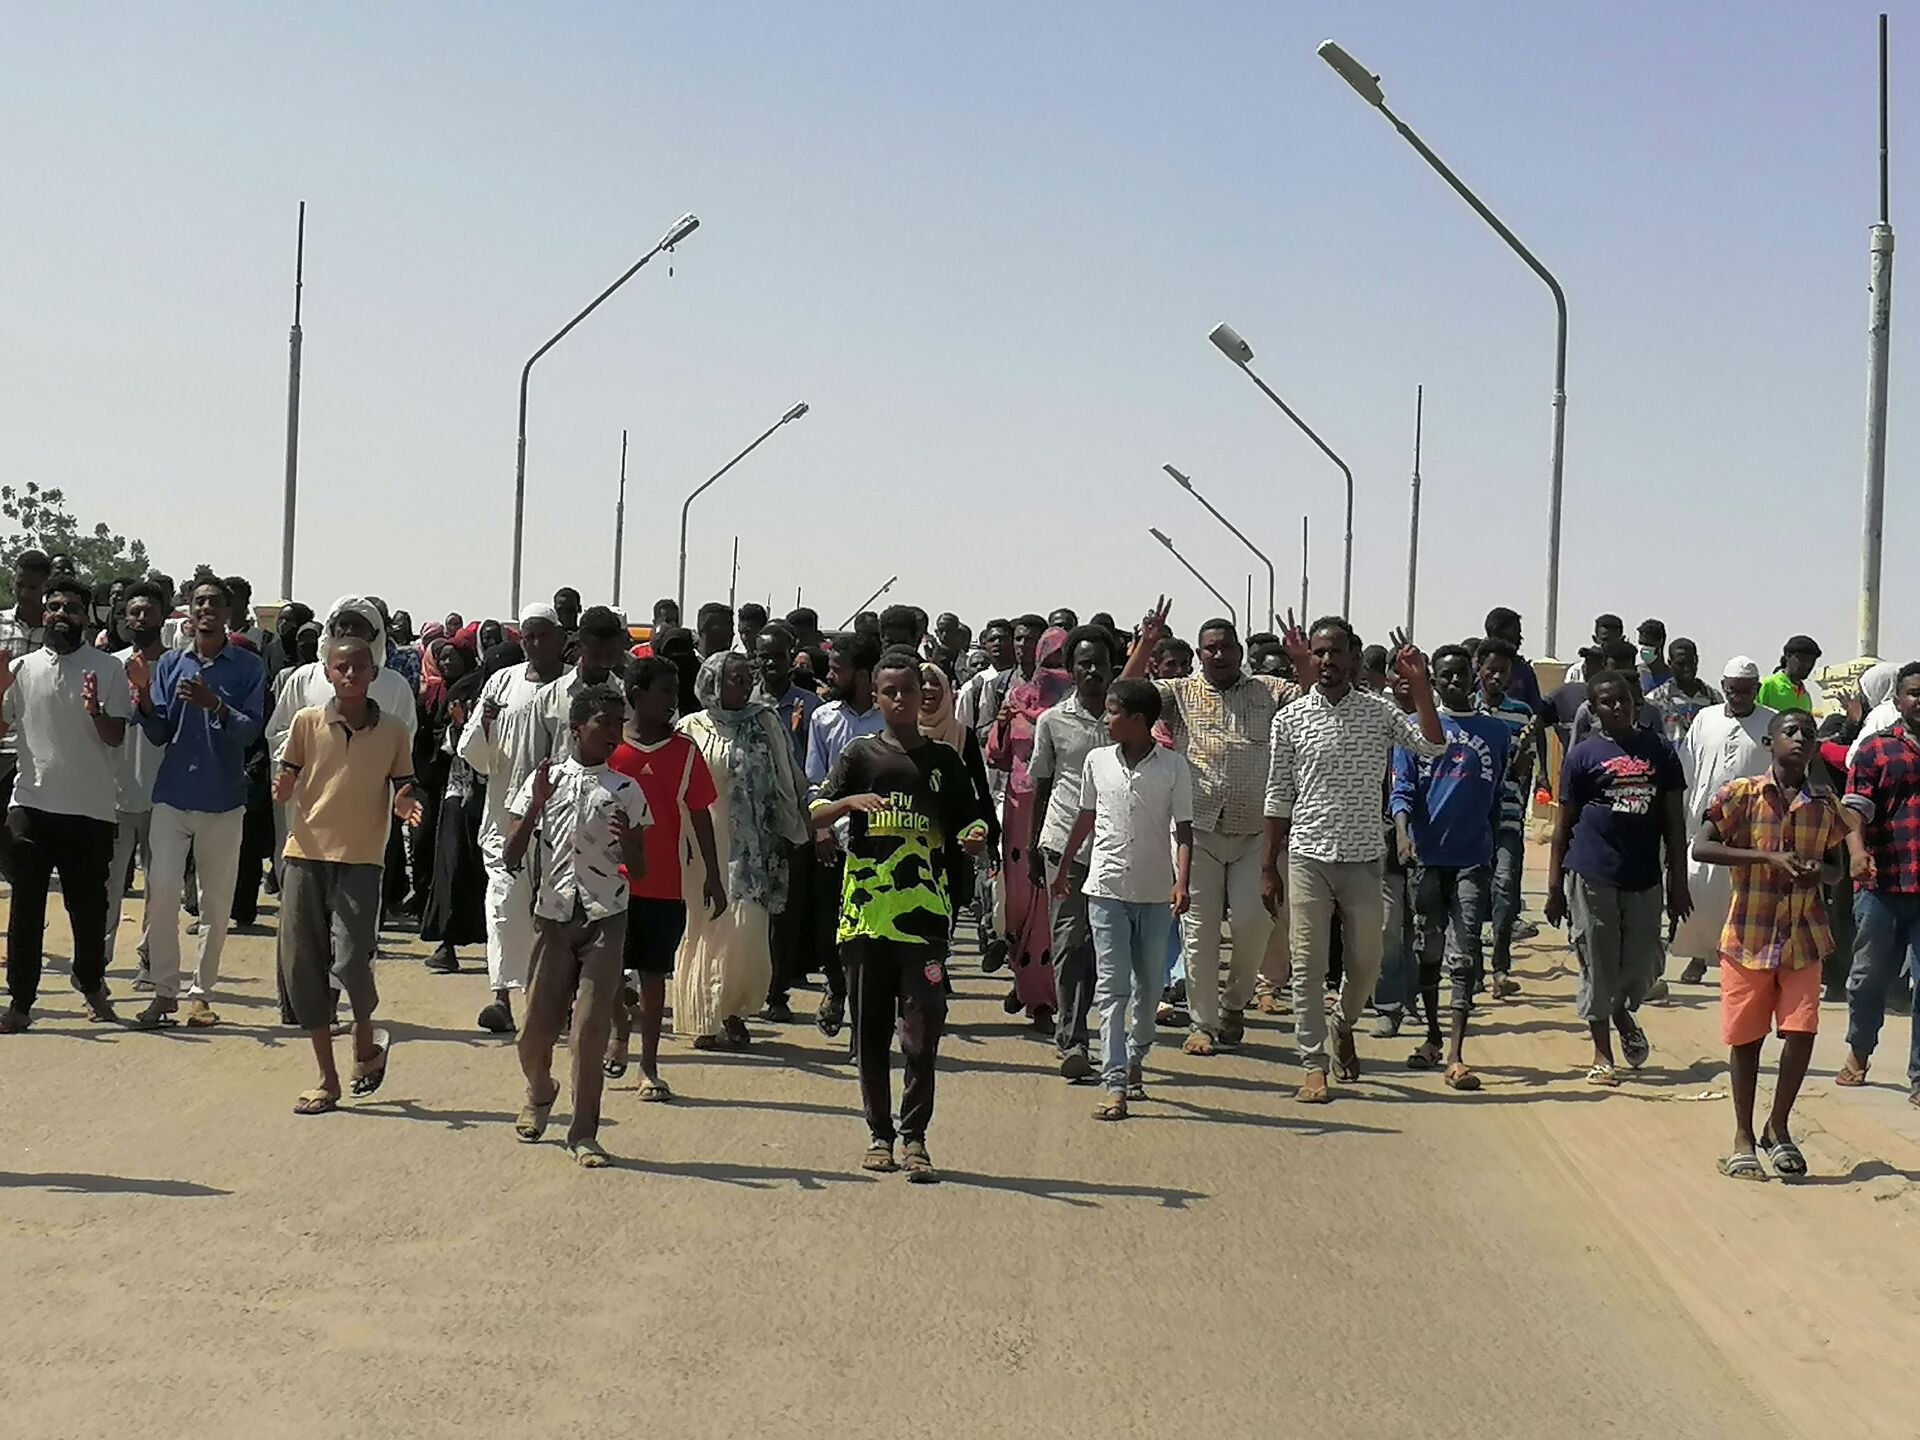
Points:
(1620, 788)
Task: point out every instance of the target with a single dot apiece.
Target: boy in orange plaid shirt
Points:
(1776, 832)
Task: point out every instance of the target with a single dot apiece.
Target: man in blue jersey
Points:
(1446, 811)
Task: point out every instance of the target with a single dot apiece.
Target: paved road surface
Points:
(183, 1256)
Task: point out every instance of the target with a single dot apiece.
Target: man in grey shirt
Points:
(1063, 737)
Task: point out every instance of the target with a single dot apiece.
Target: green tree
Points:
(40, 520)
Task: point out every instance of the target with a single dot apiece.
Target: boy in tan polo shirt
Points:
(343, 766)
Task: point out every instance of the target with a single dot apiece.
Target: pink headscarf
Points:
(1010, 746)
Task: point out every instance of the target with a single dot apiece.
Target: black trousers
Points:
(901, 988)
(41, 844)
(256, 848)
(828, 880)
(792, 931)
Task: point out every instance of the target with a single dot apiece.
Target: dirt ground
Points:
(183, 1256)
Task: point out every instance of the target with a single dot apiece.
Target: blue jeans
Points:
(1399, 966)
(1886, 934)
(1129, 950)
(1509, 864)
(1450, 901)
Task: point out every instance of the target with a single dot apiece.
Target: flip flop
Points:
(1603, 1075)
(1850, 1077)
(369, 1075)
(615, 1065)
(1743, 1166)
(532, 1121)
(1459, 1077)
(1784, 1156)
(315, 1102)
(655, 1090)
(1113, 1109)
(588, 1155)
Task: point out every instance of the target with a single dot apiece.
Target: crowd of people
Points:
(662, 824)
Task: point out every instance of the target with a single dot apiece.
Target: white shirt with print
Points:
(575, 855)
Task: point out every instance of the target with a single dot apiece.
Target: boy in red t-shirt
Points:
(679, 788)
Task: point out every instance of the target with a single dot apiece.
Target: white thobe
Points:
(1718, 747)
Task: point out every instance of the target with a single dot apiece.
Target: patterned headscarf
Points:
(756, 858)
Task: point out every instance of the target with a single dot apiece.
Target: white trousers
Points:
(1225, 879)
(509, 917)
(213, 837)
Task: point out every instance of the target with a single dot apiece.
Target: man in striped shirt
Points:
(1495, 661)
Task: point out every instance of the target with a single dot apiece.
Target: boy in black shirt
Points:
(912, 812)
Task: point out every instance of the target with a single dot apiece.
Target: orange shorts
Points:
(1751, 1001)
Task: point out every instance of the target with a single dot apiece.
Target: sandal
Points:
(1635, 1048)
(1459, 1077)
(1198, 1043)
(1852, 1073)
(1136, 1083)
(615, 1065)
(14, 1022)
(655, 1091)
(587, 1154)
(1427, 1057)
(1785, 1156)
(159, 1016)
(315, 1102)
(99, 1008)
(1603, 1075)
(917, 1163)
(1744, 1165)
(879, 1157)
(737, 1035)
(1115, 1108)
(532, 1122)
(1314, 1091)
(1346, 1059)
(369, 1075)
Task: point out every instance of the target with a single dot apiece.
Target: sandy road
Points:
(183, 1256)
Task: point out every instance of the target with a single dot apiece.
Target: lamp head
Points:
(1227, 340)
(1185, 482)
(795, 413)
(679, 230)
(1354, 73)
(1155, 532)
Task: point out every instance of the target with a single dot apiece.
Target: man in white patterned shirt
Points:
(1330, 755)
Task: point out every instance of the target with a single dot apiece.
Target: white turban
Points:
(547, 613)
(1740, 667)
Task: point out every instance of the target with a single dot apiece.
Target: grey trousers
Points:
(329, 927)
(1073, 961)
(1616, 934)
(1451, 901)
(1317, 892)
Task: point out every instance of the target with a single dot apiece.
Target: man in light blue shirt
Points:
(206, 704)
(834, 726)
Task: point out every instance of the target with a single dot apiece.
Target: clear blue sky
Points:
(987, 244)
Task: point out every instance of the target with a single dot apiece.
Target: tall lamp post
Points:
(1273, 584)
(794, 414)
(1879, 326)
(293, 411)
(1187, 564)
(1367, 86)
(620, 521)
(1227, 340)
(1413, 516)
(864, 604)
(679, 231)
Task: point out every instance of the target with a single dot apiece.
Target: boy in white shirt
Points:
(1136, 800)
(588, 821)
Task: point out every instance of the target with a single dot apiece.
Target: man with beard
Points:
(66, 705)
(145, 607)
(206, 705)
(509, 898)
(283, 649)
(21, 633)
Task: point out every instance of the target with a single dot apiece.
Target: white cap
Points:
(539, 612)
(1740, 667)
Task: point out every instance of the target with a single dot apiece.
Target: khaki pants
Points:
(576, 963)
(1317, 891)
(1225, 879)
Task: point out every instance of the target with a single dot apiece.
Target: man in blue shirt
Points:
(1445, 812)
(836, 725)
(206, 704)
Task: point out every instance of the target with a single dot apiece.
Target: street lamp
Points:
(794, 414)
(1186, 484)
(1227, 340)
(864, 604)
(681, 228)
(1226, 604)
(1367, 86)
